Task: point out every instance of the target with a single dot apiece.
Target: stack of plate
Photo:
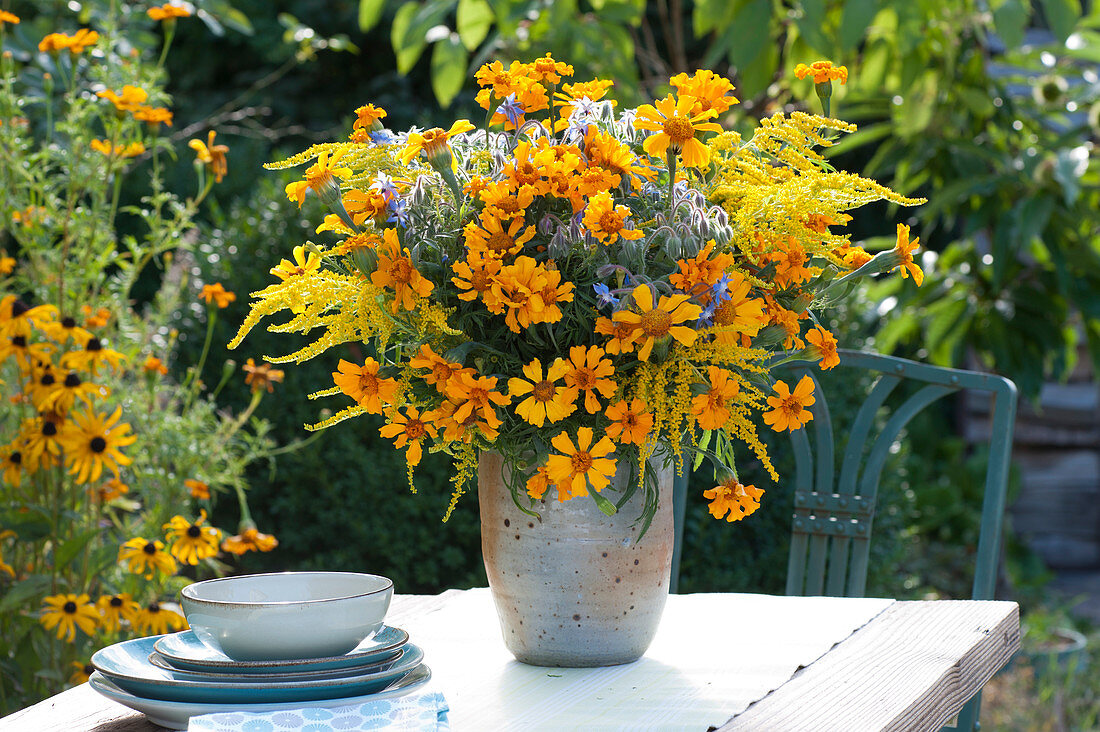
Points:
(171, 678)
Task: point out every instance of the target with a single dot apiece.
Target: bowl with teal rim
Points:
(287, 615)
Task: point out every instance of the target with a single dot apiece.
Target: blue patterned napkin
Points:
(426, 711)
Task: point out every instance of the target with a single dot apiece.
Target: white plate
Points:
(174, 715)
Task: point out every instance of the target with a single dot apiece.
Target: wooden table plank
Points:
(81, 708)
(911, 668)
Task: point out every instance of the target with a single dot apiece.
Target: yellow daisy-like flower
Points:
(396, 271)
(92, 441)
(305, 261)
(191, 541)
(740, 313)
(81, 672)
(581, 465)
(433, 143)
(217, 294)
(364, 385)
(538, 483)
(630, 423)
(92, 356)
(13, 465)
(320, 176)
(156, 116)
(660, 322)
(113, 609)
(476, 395)
(128, 100)
(675, 127)
(168, 11)
(710, 90)
(474, 277)
(822, 72)
(789, 410)
(621, 335)
(155, 619)
(824, 343)
(905, 250)
(144, 556)
(493, 240)
(731, 497)
(212, 156)
(67, 612)
(410, 429)
(546, 400)
(606, 221)
(588, 372)
(712, 409)
(250, 540)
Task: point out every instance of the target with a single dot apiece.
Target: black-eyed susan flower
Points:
(732, 500)
(92, 356)
(13, 464)
(580, 465)
(211, 155)
(657, 322)
(25, 351)
(58, 391)
(712, 408)
(249, 540)
(409, 429)
(81, 671)
(114, 609)
(630, 423)
(92, 441)
(546, 399)
(65, 329)
(675, 126)
(261, 376)
(191, 540)
(789, 408)
(42, 439)
(155, 619)
(145, 556)
(67, 612)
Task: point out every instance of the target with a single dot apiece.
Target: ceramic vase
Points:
(578, 587)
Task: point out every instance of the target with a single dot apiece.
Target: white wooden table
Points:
(808, 663)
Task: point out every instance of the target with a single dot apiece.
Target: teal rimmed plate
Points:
(186, 652)
(174, 714)
(127, 665)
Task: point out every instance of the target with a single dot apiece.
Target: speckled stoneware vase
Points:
(576, 588)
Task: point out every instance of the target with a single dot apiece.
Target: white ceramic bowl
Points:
(288, 615)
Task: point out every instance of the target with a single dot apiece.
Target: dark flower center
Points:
(194, 531)
(72, 381)
(67, 322)
(19, 341)
(150, 548)
(47, 380)
(98, 444)
(116, 602)
(49, 429)
(18, 308)
(154, 607)
(16, 457)
(69, 608)
(94, 345)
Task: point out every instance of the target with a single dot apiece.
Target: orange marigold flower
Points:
(154, 365)
(492, 239)
(211, 155)
(696, 276)
(581, 465)
(155, 116)
(731, 497)
(410, 429)
(440, 369)
(112, 489)
(675, 126)
(364, 385)
(789, 410)
(434, 142)
(790, 261)
(475, 395)
(659, 322)
(710, 90)
(320, 177)
(588, 372)
(905, 250)
(621, 335)
(97, 319)
(366, 116)
(822, 72)
(474, 277)
(502, 201)
(169, 11)
(261, 376)
(396, 271)
(712, 409)
(824, 343)
(128, 100)
(538, 483)
(197, 489)
(217, 294)
(606, 221)
(547, 69)
(249, 540)
(305, 262)
(6, 17)
(630, 423)
(545, 398)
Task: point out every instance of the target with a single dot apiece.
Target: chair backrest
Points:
(833, 513)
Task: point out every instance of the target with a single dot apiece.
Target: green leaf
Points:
(1069, 166)
(475, 18)
(407, 54)
(855, 18)
(449, 60)
(710, 15)
(67, 551)
(1062, 16)
(370, 12)
(812, 25)
(1010, 20)
(747, 37)
(23, 590)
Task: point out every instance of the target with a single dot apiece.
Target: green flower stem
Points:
(169, 34)
(195, 372)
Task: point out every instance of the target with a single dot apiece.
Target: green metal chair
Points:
(833, 514)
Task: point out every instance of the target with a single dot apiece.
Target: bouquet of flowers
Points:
(578, 286)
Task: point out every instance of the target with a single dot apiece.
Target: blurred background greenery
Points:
(989, 108)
